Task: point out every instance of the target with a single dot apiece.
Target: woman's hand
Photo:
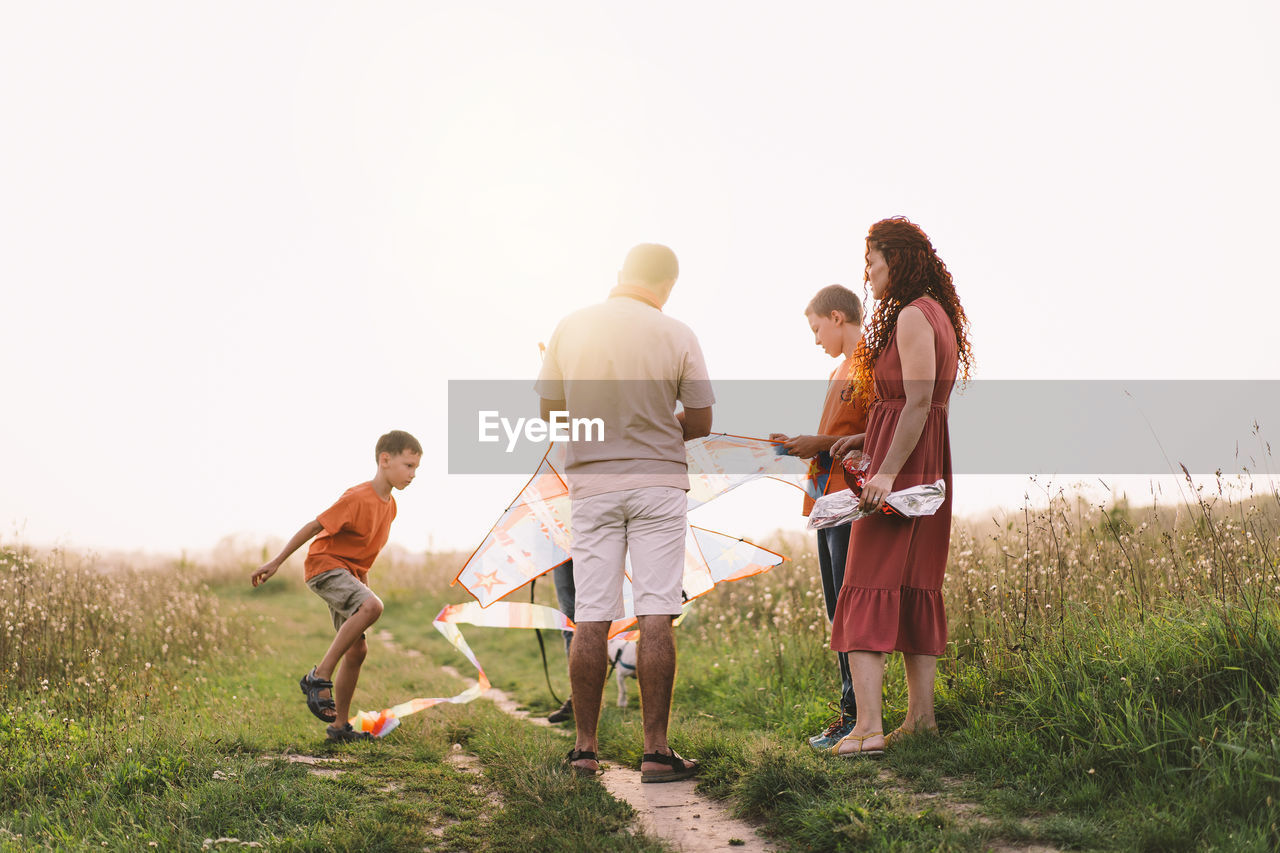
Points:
(846, 445)
(874, 491)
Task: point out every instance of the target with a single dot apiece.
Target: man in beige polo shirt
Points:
(628, 364)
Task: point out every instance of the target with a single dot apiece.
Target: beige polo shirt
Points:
(627, 364)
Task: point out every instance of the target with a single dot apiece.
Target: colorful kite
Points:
(710, 558)
(533, 536)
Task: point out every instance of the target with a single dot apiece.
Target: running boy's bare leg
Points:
(587, 665)
(344, 682)
(348, 635)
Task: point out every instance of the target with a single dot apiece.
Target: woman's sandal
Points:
(311, 685)
(583, 755)
(858, 739)
(681, 768)
(901, 733)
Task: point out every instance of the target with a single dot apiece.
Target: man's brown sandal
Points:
(583, 755)
(681, 768)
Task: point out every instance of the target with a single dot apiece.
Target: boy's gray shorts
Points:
(342, 591)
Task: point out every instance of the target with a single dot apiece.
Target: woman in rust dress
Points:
(891, 600)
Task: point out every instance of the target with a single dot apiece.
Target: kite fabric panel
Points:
(720, 463)
(533, 535)
(531, 538)
(709, 558)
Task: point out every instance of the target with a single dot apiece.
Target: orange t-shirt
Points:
(355, 529)
(842, 414)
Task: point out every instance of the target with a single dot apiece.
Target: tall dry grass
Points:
(1013, 580)
(75, 632)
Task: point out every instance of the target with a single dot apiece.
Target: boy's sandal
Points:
(901, 733)
(347, 733)
(583, 755)
(858, 739)
(322, 707)
(681, 768)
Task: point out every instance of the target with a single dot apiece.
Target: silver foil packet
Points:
(842, 507)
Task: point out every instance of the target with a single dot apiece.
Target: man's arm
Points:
(263, 574)
(695, 423)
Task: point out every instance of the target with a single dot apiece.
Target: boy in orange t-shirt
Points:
(835, 316)
(349, 536)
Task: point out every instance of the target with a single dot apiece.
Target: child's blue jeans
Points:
(566, 593)
(833, 549)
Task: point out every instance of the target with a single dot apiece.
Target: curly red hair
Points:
(915, 270)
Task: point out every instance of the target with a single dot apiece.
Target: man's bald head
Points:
(652, 265)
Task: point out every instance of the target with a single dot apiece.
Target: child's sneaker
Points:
(840, 726)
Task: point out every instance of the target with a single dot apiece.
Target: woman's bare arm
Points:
(919, 369)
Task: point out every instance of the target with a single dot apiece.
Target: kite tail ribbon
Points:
(500, 614)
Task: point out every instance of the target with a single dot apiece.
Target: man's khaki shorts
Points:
(342, 591)
(650, 524)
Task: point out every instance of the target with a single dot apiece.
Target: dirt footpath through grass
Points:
(671, 811)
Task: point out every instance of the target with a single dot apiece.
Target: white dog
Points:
(622, 656)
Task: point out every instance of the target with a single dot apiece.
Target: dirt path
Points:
(676, 813)
(672, 811)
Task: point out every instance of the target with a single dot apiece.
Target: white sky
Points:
(238, 241)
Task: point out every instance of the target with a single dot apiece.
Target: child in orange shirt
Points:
(349, 536)
(835, 317)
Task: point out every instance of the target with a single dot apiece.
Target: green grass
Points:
(1110, 685)
(209, 761)
(1159, 734)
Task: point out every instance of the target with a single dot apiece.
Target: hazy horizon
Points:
(240, 241)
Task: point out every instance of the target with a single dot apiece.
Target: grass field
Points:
(1112, 684)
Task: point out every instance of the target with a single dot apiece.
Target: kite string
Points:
(542, 647)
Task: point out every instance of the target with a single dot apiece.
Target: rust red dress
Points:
(892, 594)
